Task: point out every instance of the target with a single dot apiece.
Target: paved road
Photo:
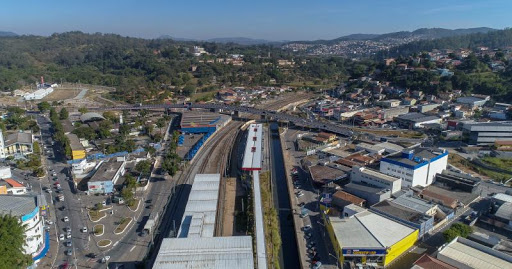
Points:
(310, 199)
(71, 206)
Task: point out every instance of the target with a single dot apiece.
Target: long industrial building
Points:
(486, 133)
(252, 155)
(204, 122)
(195, 245)
(252, 162)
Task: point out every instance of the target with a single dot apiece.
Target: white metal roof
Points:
(252, 155)
(503, 197)
(258, 216)
(464, 253)
(368, 230)
(505, 211)
(206, 253)
(201, 210)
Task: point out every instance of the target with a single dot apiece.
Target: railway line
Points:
(205, 161)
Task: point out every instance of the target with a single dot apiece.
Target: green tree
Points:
(127, 194)
(53, 115)
(143, 167)
(63, 114)
(44, 106)
(36, 147)
(13, 239)
(457, 229)
(160, 123)
(83, 110)
(130, 182)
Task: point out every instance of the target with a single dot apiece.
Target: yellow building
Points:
(77, 150)
(369, 238)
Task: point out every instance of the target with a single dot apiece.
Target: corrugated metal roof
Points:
(503, 197)
(17, 205)
(505, 211)
(206, 253)
(463, 252)
(201, 210)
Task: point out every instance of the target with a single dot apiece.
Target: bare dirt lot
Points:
(62, 94)
(229, 207)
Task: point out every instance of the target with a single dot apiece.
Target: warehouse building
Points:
(487, 133)
(195, 245)
(205, 122)
(370, 239)
(417, 166)
(416, 120)
(466, 254)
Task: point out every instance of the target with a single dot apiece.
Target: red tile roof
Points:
(13, 183)
(427, 262)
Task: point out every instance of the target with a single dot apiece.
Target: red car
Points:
(64, 266)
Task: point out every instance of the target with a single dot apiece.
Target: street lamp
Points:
(336, 258)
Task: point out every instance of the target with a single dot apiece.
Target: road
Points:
(310, 199)
(53, 159)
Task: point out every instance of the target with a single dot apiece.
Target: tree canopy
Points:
(11, 244)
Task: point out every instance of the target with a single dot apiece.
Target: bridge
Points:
(298, 121)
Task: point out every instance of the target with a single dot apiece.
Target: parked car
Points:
(303, 215)
(317, 265)
(91, 255)
(68, 229)
(61, 237)
(68, 243)
(68, 252)
(49, 222)
(84, 229)
(68, 235)
(306, 228)
(300, 193)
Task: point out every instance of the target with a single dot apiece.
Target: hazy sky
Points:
(273, 20)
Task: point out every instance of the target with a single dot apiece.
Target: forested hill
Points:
(492, 39)
(142, 69)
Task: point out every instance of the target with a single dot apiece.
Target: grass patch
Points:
(505, 164)
(133, 204)
(122, 225)
(271, 222)
(468, 167)
(98, 229)
(104, 243)
(96, 215)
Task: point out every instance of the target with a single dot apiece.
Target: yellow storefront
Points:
(369, 238)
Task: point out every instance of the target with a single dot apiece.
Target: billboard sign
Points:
(364, 252)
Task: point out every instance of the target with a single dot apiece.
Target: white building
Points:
(26, 208)
(42, 91)
(466, 254)
(417, 166)
(5, 172)
(374, 178)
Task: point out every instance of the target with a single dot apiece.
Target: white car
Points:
(49, 222)
(66, 219)
(68, 235)
(49, 190)
(61, 237)
(84, 229)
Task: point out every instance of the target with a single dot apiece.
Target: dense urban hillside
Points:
(492, 39)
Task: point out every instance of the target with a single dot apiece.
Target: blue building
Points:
(106, 176)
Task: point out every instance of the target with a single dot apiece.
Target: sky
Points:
(263, 19)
